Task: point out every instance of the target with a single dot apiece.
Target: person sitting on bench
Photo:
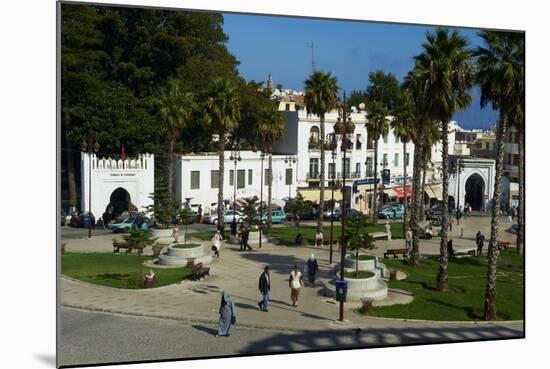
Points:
(319, 238)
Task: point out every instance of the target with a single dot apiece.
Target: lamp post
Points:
(89, 146)
(459, 169)
(236, 157)
(343, 128)
(383, 164)
(332, 141)
(262, 157)
(290, 160)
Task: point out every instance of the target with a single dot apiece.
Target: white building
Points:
(471, 183)
(197, 178)
(116, 182)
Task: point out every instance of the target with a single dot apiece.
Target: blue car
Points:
(389, 212)
(128, 224)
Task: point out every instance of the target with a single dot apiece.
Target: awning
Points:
(390, 192)
(399, 191)
(434, 192)
(313, 194)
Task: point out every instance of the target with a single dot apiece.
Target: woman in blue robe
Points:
(227, 315)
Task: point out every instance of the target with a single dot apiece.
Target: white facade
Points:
(196, 178)
(475, 169)
(135, 175)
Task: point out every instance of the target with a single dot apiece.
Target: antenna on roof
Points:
(312, 59)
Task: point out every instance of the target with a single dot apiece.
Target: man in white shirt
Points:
(295, 283)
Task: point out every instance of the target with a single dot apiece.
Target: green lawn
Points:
(467, 281)
(116, 270)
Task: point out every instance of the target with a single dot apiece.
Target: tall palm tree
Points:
(176, 109)
(416, 86)
(321, 89)
(222, 113)
(519, 123)
(500, 73)
(432, 136)
(377, 127)
(403, 126)
(270, 128)
(449, 75)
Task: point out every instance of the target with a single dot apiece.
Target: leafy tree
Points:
(221, 111)
(384, 88)
(250, 210)
(358, 238)
(500, 73)
(321, 89)
(164, 208)
(298, 207)
(136, 240)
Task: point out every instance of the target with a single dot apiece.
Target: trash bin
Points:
(85, 221)
(341, 290)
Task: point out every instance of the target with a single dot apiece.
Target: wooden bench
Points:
(396, 252)
(502, 245)
(198, 271)
(327, 241)
(376, 235)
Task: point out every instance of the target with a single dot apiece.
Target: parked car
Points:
(81, 218)
(434, 212)
(277, 216)
(228, 217)
(388, 212)
(348, 213)
(129, 223)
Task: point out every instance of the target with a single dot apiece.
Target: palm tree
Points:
(403, 126)
(176, 109)
(270, 128)
(377, 126)
(448, 77)
(432, 135)
(222, 114)
(500, 73)
(320, 98)
(519, 123)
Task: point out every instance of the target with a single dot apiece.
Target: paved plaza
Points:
(196, 303)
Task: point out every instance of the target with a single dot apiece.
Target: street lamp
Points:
(290, 160)
(383, 164)
(262, 157)
(343, 128)
(236, 157)
(89, 146)
(333, 144)
(459, 169)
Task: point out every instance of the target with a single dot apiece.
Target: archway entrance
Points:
(120, 201)
(475, 188)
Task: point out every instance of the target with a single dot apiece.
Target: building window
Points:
(241, 178)
(287, 106)
(358, 142)
(357, 170)
(487, 145)
(313, 167)
(214, 178)
(407, 159)
(231, 177)
(370, 144)
(288, 176)
(250, 176)
(396, 160)
(347, 164)
(370, 169)
(331, 170)
(195, 179)
(266, 177)
(314, 134)
(385, 160)
(385, 138)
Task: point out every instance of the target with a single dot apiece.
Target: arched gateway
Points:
(475, 188)
(116, 183)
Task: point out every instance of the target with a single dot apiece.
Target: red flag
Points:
(123, 154)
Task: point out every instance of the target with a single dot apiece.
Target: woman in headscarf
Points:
(227, 315)
(312, 268)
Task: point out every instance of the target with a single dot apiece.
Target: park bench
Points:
(326, 241)
(396, 252)
(376, 235)
(502, 245)
(118, 246)
(198, 271)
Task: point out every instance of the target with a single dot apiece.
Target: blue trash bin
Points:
(341, 290)
(85, 221)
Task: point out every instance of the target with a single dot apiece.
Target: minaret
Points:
(269, 82)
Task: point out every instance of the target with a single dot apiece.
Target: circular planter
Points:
(349, 263)
(181, 257)
(372, 287)
(254, 237)
(191, 252)
(162, 233)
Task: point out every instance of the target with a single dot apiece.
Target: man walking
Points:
(264, 285)
(295, 282)
(480, 244)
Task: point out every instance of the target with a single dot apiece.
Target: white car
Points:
(228, 217)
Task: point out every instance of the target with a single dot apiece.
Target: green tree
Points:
(518, 121)
(384, 88)
(176, 108)
(298, 207)
(321, 89)
(358, 238)
(221, 111)
(185, 217)
(448, 76)
(377, 126)
(500, 73)
(250, 210)
(163, 208)
(136, 240)
(403, 125)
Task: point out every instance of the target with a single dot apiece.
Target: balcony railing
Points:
(312, 175)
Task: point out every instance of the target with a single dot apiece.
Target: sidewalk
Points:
(238, 273)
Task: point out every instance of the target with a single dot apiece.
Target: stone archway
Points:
(475, 188)
(120, 201)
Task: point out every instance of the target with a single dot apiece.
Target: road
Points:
(94, 337)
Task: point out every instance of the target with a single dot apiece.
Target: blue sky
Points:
(349, 50)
